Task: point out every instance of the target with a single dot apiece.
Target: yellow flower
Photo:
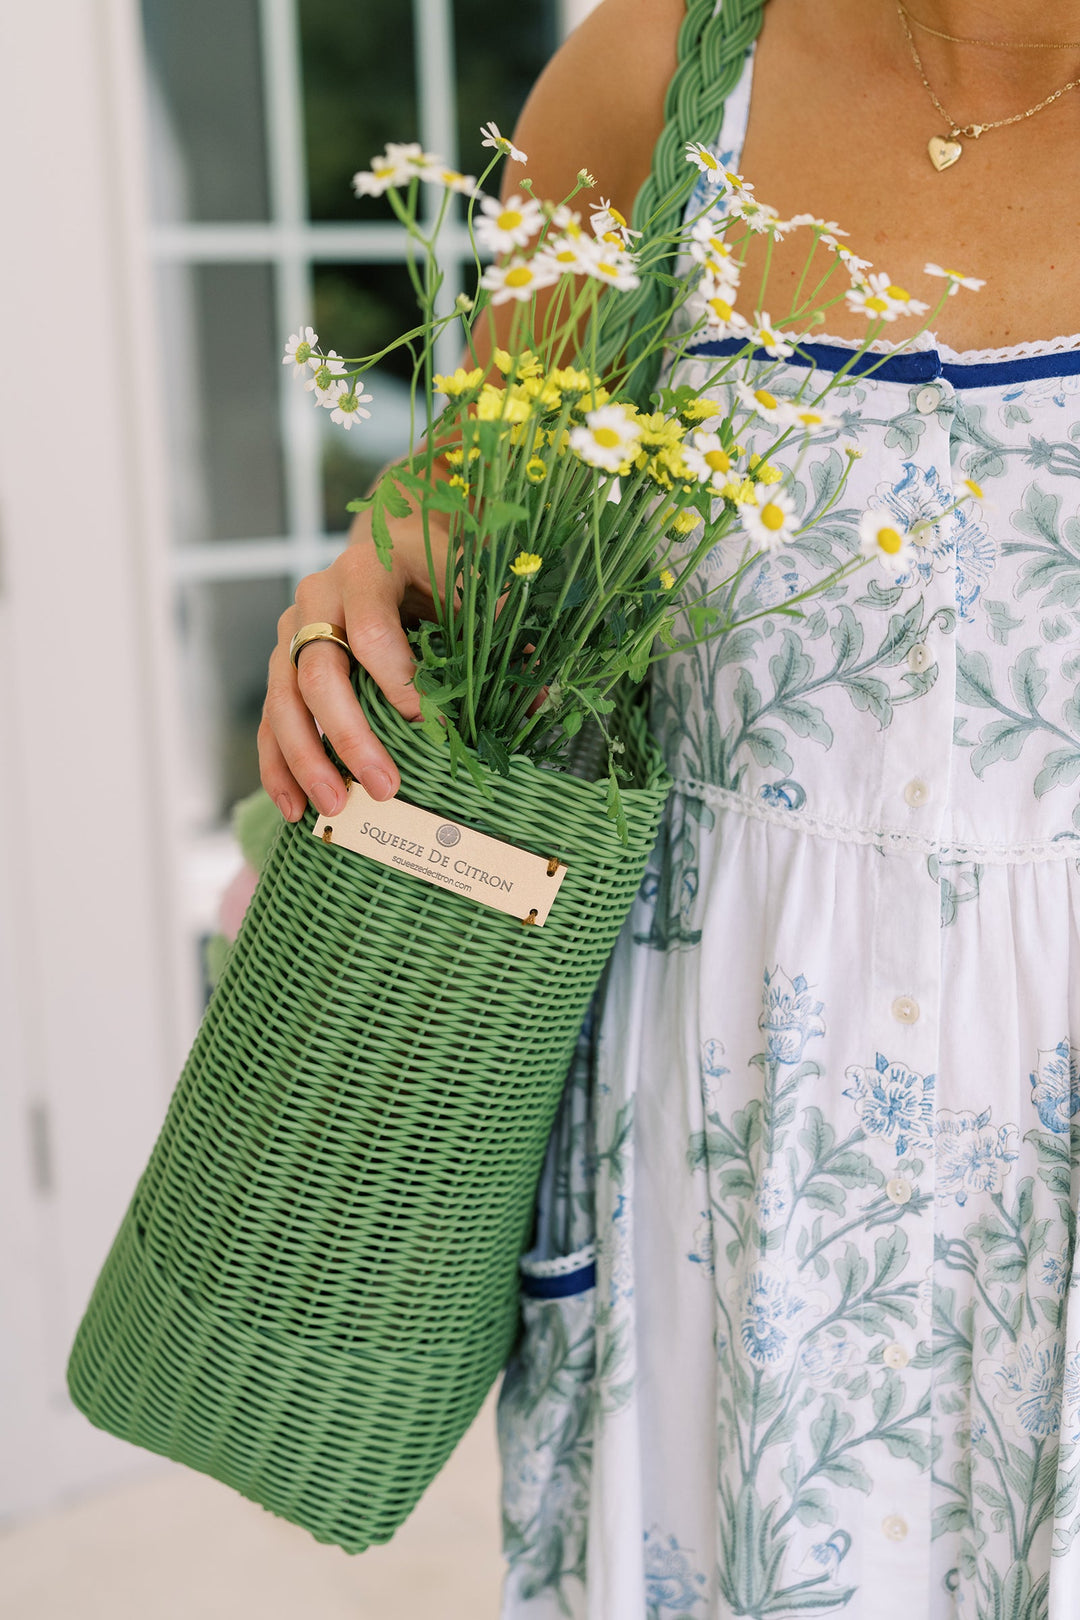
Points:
(763, 472)
(542, 389)
(497, 404)
(536, 470)
(526, 364)
(526, 565)
(699, 410)
(459, 383)
(741, 493)
(456, 457)
(686, 522)
(976, 489)
(660, 430)
(457, 482)
(666, 578)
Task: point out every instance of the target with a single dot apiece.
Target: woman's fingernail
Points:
(377, 783)
(284, 804)
(326, 798)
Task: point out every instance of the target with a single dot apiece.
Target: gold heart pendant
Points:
(943, 153)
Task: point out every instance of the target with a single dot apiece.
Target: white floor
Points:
(177, 1546)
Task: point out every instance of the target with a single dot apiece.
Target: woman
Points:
(825, 1353)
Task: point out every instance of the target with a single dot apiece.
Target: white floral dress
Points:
(802, 1331)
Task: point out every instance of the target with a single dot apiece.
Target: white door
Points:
(96, 994)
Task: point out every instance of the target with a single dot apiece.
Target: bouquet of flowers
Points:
(316, 1281)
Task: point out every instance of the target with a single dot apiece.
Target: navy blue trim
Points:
(918, 366)
(571, 1282)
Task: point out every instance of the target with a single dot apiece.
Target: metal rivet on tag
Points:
(531, 918)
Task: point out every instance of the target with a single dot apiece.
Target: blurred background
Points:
(175, 177)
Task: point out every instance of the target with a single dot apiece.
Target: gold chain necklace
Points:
(946, 150)
(994, 44)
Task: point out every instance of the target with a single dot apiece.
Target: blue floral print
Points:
(831, 1364)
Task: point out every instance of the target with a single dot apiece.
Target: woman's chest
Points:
(846, 140)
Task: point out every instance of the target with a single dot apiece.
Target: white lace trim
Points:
(889, 839)
(561, 1265)
(1066, 344)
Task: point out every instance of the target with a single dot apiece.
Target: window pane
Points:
(227, 631)
(359, 309)
(359, 93)
(208, 142)
(222, 356)
(500, 52)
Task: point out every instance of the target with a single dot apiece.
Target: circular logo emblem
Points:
(448, 834)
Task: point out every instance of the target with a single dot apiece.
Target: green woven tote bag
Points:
(315, 1284)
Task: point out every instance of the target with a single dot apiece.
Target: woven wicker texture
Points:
(316, 1282)
(712, 44)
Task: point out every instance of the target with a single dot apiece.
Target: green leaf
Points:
(1002, 621)
(500, 514)
(615, 807)
(493, 752)
(1060, 767)
(1001, 739)
(767, 747)
(849, 1473)
(1028, 681)
(974, 683)
(888, 1399)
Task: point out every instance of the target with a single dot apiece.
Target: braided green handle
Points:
(713, 41)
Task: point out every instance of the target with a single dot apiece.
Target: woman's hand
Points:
(356, 591)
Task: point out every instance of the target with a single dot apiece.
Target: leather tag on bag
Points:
(396, 833)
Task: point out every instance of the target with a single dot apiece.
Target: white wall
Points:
(95, 1004)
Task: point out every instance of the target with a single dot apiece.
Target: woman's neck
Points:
(981, 83)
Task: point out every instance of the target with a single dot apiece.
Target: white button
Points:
(905, 1009)
(894, 1527)
(919, 658)
(898, 1189)
(894, 1355)
(927, 400)
(916, 793)
(925, 536)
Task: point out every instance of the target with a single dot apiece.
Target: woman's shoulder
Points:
(599, 103)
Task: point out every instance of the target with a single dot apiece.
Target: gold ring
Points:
(317, 632)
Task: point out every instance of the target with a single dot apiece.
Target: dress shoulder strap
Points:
(712, 46)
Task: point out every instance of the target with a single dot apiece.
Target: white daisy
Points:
(758, 215)
(492, 137)
(954, 278)
(707, 240)
(608, 439)
(706, 160)
(452, 179)
(880, 299)
(324, 373)
(519, 279)
(299, 351)
(571, 255)
(721, 317)
(767, 338)
(760, 402)
(609, 225)
(503, 226)
(399, 164)
(811, 418)
(349, 405)
(562, 217)
(880, 537)
(828, 227)
(772, 523)
(855, 266)
(615, 267)
(705, 456)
